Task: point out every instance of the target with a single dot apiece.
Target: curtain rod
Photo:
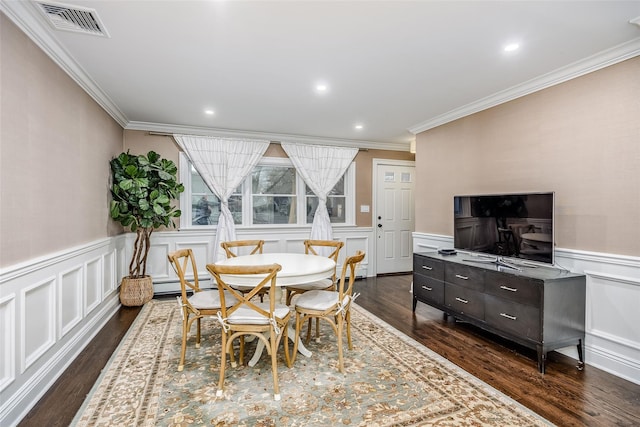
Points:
(271, 142)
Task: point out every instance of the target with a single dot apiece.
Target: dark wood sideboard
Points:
(538, 307)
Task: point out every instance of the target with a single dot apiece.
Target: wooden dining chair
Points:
(334, 307)
(242, 247)
(194, 302)
(234, 248)
(266, 321)
(313, 247)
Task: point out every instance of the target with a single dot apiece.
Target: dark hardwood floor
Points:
(564, 395)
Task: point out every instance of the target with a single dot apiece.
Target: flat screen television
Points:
(507, 228)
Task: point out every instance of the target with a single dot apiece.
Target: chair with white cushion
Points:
(266, 321)
(194, 302)
(313, 247)
(334, 307)
(234, 248)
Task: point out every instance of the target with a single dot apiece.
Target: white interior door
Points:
(394, 215)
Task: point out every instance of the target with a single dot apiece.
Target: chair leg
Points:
(348, 320)
(306, 341)
(287, 355)
(317, 329)
(241, 357)
(274, 364)
(198, 333)
(223, 362)
(340, 326)
(185, 331)
(299, 322)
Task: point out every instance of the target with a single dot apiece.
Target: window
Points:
(273, 194)
(205, 206)
(336, 203)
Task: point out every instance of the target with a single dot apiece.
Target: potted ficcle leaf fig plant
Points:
(142, 191)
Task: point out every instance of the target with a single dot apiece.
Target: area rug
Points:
(390, 380)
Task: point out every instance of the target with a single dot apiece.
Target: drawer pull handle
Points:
(464, 301)
(459, 276)
(426, 288)
(426, 267)
(508, 316)
(506, 288)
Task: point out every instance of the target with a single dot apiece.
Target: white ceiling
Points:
(396, 67)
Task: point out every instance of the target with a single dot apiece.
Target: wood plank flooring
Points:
(564, 395)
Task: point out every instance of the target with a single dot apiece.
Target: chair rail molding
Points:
(612, 341)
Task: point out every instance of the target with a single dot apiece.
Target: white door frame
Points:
(374, 207)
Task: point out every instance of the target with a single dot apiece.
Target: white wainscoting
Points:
(276, 240)
(612, 321)
(51, 307)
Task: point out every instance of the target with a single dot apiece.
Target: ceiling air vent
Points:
(73, 18)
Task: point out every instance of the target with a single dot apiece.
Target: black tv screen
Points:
(518, 226)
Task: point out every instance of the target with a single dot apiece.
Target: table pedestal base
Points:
(292, 336)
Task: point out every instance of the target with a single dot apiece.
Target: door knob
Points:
(379, 225)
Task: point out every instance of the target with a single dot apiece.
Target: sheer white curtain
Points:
(321, 168)
(223, 163)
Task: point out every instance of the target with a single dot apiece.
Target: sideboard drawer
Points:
(464, 301)
(428, 289)
(515, 288)
(518, 319)
(429, 267)
(463, 275)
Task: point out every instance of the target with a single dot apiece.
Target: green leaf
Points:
(158, 209)
(126, 184)
(131, 171)
(162, 199)
(153, 157)
(142, 182)
(165, 175)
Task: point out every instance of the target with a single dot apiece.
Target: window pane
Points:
(274, 210)
(205, 206)
(335, 207)
(274, 180)
(274, 191)
(338, 189)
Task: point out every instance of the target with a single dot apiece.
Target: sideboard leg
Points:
(542, 358)
(580, 355)
(415, 302)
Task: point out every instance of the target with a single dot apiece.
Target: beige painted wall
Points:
(141, 142)
(580, 139)
(55, 147)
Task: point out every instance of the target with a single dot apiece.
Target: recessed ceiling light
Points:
(322, 88)
(511, 47)
(358, 127)
(209, 112)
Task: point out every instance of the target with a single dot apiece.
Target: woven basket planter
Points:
(136, 292)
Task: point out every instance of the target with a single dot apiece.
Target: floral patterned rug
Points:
(390, 380)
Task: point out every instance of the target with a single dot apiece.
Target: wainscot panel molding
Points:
(50, 309)
(612, 315)
(276, 239)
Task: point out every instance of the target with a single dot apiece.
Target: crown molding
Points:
(169, 129)
(28, 19)
(595, 62)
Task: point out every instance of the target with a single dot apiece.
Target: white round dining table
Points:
(296, 269)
